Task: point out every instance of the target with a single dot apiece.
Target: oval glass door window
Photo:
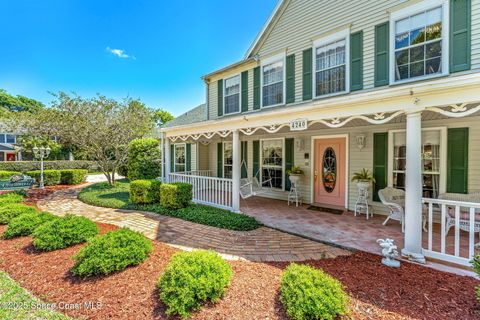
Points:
(329, 170)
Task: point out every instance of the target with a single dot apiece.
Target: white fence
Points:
(216, 192)
(453, 216)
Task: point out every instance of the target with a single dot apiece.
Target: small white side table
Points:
(362, 206)
(293, 195)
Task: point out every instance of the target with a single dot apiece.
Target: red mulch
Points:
(377, 292)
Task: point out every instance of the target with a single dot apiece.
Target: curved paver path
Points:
(262, 244)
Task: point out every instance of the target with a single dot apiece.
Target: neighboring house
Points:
(333, 87)
(7, 147)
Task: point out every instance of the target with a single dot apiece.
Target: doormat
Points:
(326, 209)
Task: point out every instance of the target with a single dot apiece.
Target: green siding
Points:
(220, 97)
(244, 91)
(356, 61)
(381, 54)
(457, 160)
(289, 161)
(460, 35)
(256, 88)
(256, 157)
(244, 159)
(380, 162)
(220, 160)
(290, 76)
(307, 74)
(188, 157)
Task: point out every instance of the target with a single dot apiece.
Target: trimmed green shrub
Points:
(476, 268)
(12, 210)
(145, 191)
(191, 279)
(143, 159)
(175, 195)
(11, 197)
(122, 170)
(50, 177)
(63, 232)
(73, 176)
(5, 175)
(24, 166)
(113, 251)
(309, 293)
(26, 223)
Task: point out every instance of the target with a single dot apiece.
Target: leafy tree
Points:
(18, 103)
(161, 116)
(100, 128)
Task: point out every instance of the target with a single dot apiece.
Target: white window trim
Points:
(223, 157)
(342, 34)
(175, 156)
(410, 11)
(283, 162)
(239, 94)
(278, 57)
(443, 156)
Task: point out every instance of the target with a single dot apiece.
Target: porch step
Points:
(326, 208)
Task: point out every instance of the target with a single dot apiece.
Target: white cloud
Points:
(120, 53)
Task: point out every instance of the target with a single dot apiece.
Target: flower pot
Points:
(295, 178)
(363, 185)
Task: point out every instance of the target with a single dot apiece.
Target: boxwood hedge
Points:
(50, 177)
(26, 223)
(145, 191)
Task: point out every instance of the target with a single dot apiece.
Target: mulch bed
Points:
(378, 292)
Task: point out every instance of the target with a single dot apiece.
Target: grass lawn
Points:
(17, 303)
(103, 195)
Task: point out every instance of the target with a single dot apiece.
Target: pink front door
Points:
(329, 171)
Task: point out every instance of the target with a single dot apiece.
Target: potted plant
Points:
(363, 178)
(294, 174)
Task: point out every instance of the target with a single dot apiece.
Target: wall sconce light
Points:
(299, 144)
(361, 141)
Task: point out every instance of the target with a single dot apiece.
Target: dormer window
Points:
(232, 95)
(273, 83)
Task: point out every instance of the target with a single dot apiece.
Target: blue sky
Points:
(73, 46)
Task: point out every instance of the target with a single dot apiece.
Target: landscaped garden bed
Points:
(118, 197)
(376, 292)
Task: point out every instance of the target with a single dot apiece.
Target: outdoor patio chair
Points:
(464, 215)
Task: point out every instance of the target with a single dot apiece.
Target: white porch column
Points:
(236, 171)
(162, 156)
(413, 189)
(168, 165)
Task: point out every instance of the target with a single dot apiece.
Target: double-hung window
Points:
(272, 166)
(331, 68)
(179, 157)
(232, 95)
(419, 44)
(273, 83)
(227, 160)
(10, 138)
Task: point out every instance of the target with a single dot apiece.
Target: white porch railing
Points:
(457, 247)
(212, 191)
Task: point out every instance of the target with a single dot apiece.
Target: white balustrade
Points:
(458, 247)
(212, 191)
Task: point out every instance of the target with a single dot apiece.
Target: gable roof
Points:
(197, 114)
(267, 28)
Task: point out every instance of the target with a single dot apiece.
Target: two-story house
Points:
(392, 86)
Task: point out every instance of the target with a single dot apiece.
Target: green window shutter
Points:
(256, 157)
(289, 161)
(245, 91)
(457, 160)
(244, 159)
(460, 35)
(356, 61)
(172, 158)
(188, 157)
(256, 88)
(381, 54)
(307, 74)
(290, 76)
(220, 97)
(380, 162)
(220, 160)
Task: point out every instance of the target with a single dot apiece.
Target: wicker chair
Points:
(394, 199)
(464, 215)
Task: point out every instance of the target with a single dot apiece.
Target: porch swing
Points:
(251, 187)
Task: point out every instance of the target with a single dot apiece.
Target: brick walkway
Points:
(263, 244)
